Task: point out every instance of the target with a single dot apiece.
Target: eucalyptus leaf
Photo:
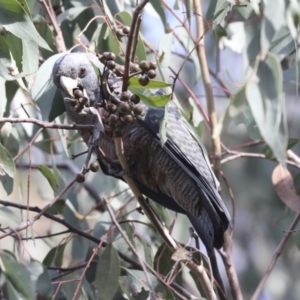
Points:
(48, 174)
(107, 275)
(19, 275)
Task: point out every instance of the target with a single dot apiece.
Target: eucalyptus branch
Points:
(197, 269)
(135, 17)
(236, 155)
(59, 40)
(70, 227)
(25, 224)
(111, 213)
(216, 144)
(275, 257)
(137, 193)
(71, 167)
(46, 124)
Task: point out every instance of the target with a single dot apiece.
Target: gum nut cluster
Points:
(123, 109)
(79, 101)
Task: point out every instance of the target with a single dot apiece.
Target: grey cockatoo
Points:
(175, 175)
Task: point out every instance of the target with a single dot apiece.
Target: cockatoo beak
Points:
(68, 84)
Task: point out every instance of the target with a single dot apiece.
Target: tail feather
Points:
(211, 238)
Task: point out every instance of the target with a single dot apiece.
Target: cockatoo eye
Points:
(82, 71)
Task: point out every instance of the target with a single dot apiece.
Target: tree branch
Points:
(46, 124)
(216, 144)
(275, 257)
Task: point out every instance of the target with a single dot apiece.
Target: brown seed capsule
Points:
(83, 101)
(120, 70)
(144, 65)
(94, 167)
(118, 132)
(144, 80)
(80, 178)
(138, 109)
(111, 108)
(113, 119)
(109, 55)
(151, 74)
(110, 64)
(114, 99)
(73, 102)
(120, 33)
(78, 93)
(128, 119)
(135, 68)
(135, 99)
(120, 124)
(104, 120)
(124, 108)
(153, 65)
(126, 30)
(125, 96)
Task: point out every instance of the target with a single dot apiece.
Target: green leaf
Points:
(18, 275)
(159, 8)
(48, 174)
(273, 19)
(189, 45)
(140, 49)
(55, 254)
(7, 164)
(165, 53)
(44, 88)
(107, 275)
(7, 183)
(10, 138)
(57, 207)
(6, 64)
(16, 20)
(46, 32)
(145, 95)
(71, 14)
(235, 107)
(266, 102)
(44, 285)
(147, 251)
(163, 263)
(3, 96)
(222, 8)
(153, 84)
(9, 292)
(30, 60)
(219, 31)
(16, 48)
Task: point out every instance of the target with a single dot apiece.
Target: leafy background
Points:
(252, 52)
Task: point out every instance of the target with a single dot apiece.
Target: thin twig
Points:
(136, 37)
(111, 213)
(164, 233)
(70, 227)
(28, 222)
(46, 124)
(135, 16)
(59, 40)
(236, 155)
(275, 257)
(216, 144)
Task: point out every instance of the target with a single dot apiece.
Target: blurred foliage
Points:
(254, 61)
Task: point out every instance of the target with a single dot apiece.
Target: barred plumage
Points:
(176, 175)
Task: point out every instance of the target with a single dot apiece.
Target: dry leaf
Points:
(284, 186)
(181, 254)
